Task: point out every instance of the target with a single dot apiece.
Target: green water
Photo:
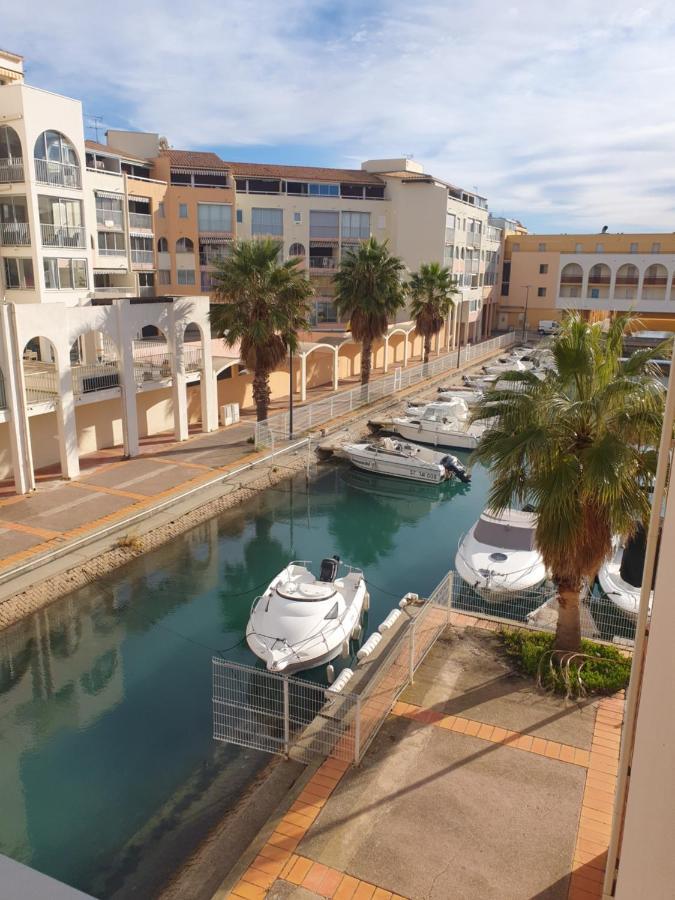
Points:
(107, 766)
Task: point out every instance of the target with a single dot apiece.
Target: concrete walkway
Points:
(478, 786)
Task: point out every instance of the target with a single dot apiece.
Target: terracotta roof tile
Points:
(104, 148)
(304, 173)
(195, 159)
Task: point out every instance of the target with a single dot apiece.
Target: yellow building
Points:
(598, 274)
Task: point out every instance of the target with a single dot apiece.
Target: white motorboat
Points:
(511, 364)
(442, 425)
(403, 460)
(498, 556)
(468, 395)
(620, 576)
(303, 621)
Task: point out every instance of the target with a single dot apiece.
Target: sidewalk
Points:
(478, 786)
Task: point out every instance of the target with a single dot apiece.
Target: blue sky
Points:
(559, 113)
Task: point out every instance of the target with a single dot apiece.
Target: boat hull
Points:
(452, 439)
(397, 468)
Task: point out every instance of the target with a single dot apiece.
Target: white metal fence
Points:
(315, 415)
(95, 377)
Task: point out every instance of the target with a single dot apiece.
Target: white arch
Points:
(307, 351)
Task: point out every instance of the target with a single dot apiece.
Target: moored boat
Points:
(620, 577)
(303, 620)
(405, 460)
(441, 425)
(498, 556)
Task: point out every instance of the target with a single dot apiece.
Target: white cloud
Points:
(556, 113)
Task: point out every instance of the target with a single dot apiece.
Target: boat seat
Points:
(329, 569)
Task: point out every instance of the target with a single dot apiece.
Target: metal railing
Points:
(95, 377)
(152, 361)
(316, 415)
(41, 382)
(473, 239)
(110, 218)
(322, 262)
(3, 395)
(111, 251)
(193, 359)
(62, 235)
(142, 257)
(14, 234)
(58, 173)
(140, 220)
(11, 170)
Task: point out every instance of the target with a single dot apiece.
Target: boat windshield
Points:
(500, 534)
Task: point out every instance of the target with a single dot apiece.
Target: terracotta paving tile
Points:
(270, 866)
(594, 860)
(601, 781)
(364, 891)
(299, 870)
(291, 830)
(595, 815)
(584, 845)
(459, 725)
(579, 894)
(589, 874)
(283, 840)
(600, 747)
(293, 818)
(485, 732)
(305, 809)
(581, 757)
(524, 742)
(510, 737)
(271, 851)
(498, 734)
(314, 876)
(472, 728)
(538, 746)
(330, 882)
(290, 862)
(602, 764)
(600, 834)
(381, 894)
(347, 888)
(260, 879)
(447, 722)
(324, 780)
(319, 789)
(553, 749)
(566, 753)
(311, 799)
(248, 891)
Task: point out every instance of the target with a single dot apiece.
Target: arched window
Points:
(655, 282)
(56, 160)
(184, 245)
(627, 278)
(296, 250)
(599, 279)
(162, 245)
(11, 158)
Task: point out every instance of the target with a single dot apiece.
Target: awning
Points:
(197, 170)
(109, 195)
(209, 241)
(323, 242)
(140, 234)
(100, 271)
(223, 236)
(137, 198)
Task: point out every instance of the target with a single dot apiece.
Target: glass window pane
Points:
(65, 274)
(11, 273)
(79, 273)
(214, 216)
(28, 277)
(267, 221)
(51, 273)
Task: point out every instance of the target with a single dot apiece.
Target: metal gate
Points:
(283, 715)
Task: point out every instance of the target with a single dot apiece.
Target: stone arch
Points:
(655, 282)
(185, 245)
(627, 280)
(599, 279)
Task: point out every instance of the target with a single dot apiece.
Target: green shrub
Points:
(599, 669)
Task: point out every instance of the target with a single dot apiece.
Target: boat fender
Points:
(369, 646)
(356, 633)
(403, 603)
(340, 681)
(330, 673)
(410, 597)
(390, 620)
(344, 652)
(366, 602)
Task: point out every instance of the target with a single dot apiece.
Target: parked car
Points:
(548, 326)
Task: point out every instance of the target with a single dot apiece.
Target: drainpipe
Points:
(641, 635)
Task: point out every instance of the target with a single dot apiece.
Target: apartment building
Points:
(318, 214)
(595, 273)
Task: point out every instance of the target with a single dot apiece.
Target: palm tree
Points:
(431, 290)
(262, 305)
(369, 291)
(578, 445)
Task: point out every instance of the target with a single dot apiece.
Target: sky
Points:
(559, 113)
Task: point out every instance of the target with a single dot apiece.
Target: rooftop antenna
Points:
(95, 122)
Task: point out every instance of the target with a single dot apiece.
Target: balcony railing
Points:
(11, 170)
(95, 377)
(14, 234)
(152, 361)
(62, 235)
(324, 232)
(110, 218)
(111, 251)
(193, 359)
(57, 173)
(322, 262)
(41, 382)
(355, 234)
(140, 220)
(449, 235)
(473, 239)
(142, 257)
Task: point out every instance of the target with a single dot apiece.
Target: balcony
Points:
(58, 174)
(14, 234)
(111, 251)
(324, 232)
(355, 234)
(144, 258)
(96, 377)
(140, 220)
(473, 239)
(63, 236)
(11, 170)
(449, 235)
(110, 218)
(322, 263)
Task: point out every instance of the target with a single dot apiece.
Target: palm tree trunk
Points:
(427, 348)
(366, 360)
(568, 632)
(261, 394)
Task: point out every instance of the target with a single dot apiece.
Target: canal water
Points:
(109, 776)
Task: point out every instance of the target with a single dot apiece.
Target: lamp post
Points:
(527, 300)
(290, 393)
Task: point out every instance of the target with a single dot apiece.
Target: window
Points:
(184, 245)
(297, 218)
(111, 243)
(297, 187)
(324, 224)
(541, 248)
(456, 252)
(634, 248)
(162, 245)
(165, 276)
(543, 269)
(214, 216)
(374, 192)
(65, 274)
(599, 248)
(240, 216)
(356, 225)
(296, 250)
(186, 276)
(656, 247)
(19, 273)
(182, 211)
(160, 210)
(324, 190)
(515, 247)
(267, 221)
(578, 248)
(541, 292)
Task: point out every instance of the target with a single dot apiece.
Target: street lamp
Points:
(290, 393)
(527, 300)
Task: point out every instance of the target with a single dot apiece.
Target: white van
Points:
(548, 326)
